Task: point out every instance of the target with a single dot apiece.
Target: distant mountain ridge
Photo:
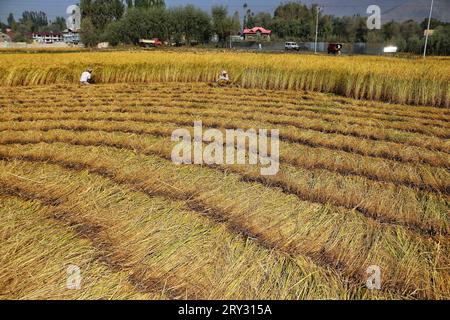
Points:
(418, 10)
(398, 10)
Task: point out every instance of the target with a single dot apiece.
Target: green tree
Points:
(245, 7)
(102, 12)
(86, 8)
(249, 18)
(236, 21)
(360, 29)
(293, 20)
(434, 23)
(375, 36)
(223, 25)
(60, 22)
(3, 27)
(414, 44)
(390, 30)
(139, 24)
(326, 27)
(339, 29)
(89, 35)
(262, 19)
(11, 21)
(190, 24)
(33, 20)
(410, 28)
(292, 11)
(58, 25)
(19, 37)
(440, 41)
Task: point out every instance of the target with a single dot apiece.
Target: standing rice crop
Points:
(396, 80)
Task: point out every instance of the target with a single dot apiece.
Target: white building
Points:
(71, 37)
(46, 37)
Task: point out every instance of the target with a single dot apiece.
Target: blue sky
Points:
(339, 7)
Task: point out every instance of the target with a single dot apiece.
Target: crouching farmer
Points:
(224, 79)
(86, 77)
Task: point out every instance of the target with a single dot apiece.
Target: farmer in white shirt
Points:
(86, 77)
(224, 79)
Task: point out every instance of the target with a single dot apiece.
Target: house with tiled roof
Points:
(257, 34)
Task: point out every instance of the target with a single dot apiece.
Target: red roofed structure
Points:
(257, 33)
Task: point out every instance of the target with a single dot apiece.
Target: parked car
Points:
(335, 48)
(291, 46)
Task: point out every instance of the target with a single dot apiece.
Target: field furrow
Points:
(334, 141)
(87, 178)
(172, 258)
(426, 138)
(420, 177)
(29, 234)
(196, 230)
(201, 94)
(276, 229)
(425, 213)
(314, 109)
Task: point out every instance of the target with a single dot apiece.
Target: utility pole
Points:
(317, 29)
(428, 30)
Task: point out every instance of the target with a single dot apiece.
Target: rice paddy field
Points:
(86, 178)
(398, 80)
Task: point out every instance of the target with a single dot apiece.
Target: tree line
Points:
(126, 22)
(297, 22)
(32, 21)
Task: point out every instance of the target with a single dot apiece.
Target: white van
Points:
(291, 46)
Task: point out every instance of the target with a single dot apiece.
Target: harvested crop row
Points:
(376, 149)
(420, 177)
(360, 183)
(29, 235)
(179, 247)
(301, 230)
(19, 103)
(324, 113)
(425, 212)
(174, 253)
(427, 137)
(259, 99)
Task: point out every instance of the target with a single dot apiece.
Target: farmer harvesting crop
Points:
(224, 78)
(86, 77)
